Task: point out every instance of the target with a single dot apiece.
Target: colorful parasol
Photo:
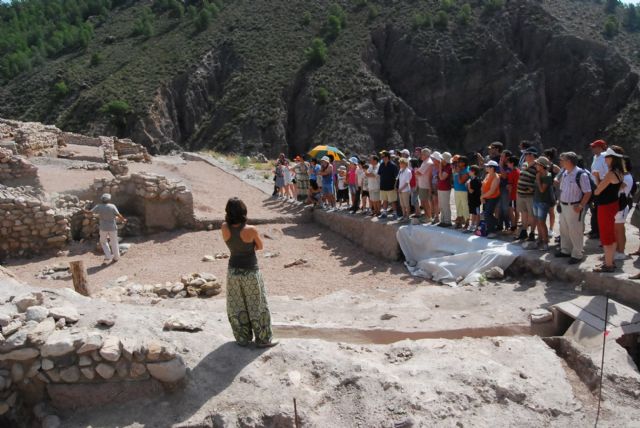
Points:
(320, 151)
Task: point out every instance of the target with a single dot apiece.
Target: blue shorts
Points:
(541, 210)
(327, 188)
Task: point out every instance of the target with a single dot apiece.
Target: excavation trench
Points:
(386, 337)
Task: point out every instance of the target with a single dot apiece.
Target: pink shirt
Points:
(352, 177)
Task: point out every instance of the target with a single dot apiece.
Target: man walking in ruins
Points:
(107, 214)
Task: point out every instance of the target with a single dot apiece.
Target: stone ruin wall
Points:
(31, 138)
(45, 359)
(160, 202)
(29, 225)
(14, 167)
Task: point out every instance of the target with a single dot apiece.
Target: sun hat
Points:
(437, 156)
(354, 159)
(546, 163)
(446, 156)
(342, 168)
(611, 152)
(325, 159)
(492, 163)
(405, 152)
(105, 197)
(599, 143)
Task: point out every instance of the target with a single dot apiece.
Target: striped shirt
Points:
(527, 181)
(570, 192)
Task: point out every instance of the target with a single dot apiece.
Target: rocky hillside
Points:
(383, 73)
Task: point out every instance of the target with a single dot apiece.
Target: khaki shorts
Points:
(524, 203)
(424, 195)
(389, 195)
(374, 195)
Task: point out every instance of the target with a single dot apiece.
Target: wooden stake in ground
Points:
(79, 275)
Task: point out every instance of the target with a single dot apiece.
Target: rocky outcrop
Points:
(181, 108)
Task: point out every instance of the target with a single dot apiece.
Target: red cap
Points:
(599, 143)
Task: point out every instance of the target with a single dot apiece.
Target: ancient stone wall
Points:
(161, 203)
(131, 151)
(45, 358)
(14, 167)
(79, 139)
(28, 225)
(31, 138)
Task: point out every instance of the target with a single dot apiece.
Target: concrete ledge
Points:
(616, 285)
(374, 236)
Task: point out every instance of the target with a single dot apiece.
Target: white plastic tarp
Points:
(450, 256)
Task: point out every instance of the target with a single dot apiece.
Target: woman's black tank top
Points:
(243, 255)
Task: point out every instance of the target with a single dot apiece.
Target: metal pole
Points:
(295, 413)
(604, 343)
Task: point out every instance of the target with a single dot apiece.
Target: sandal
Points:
(605, 269)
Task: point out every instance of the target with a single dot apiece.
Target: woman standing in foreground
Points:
(247, 306)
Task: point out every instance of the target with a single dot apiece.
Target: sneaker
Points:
(521, 236)
(383, 216)
(620, 256)
(532, 237)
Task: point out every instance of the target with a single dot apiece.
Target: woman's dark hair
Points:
(313, 184)
(414, 163)
(236, 212)
(514, 160)
(627, 163)
(617, 165)
(475, 169)
(314, 161)
(550, 153)
(464, 160)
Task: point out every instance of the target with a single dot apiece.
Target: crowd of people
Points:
(522, 194)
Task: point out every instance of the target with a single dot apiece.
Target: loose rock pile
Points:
(40, 353)
(14, 167)
(29, 225)
(59, 271)
(193, 285)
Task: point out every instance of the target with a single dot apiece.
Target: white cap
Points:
(105, 197)
(492, 163)
(611, 152)
(325, 159)
(405, 152)
(436, 155)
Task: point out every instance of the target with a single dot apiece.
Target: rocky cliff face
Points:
(515, 74)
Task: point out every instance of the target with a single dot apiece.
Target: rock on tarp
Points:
(446, 255)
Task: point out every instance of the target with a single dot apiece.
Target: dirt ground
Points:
(323, 311)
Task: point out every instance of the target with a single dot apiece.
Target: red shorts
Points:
(606, 222)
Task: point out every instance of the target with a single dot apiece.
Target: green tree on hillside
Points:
(61, 89)
(611, 6)
(611, 27)
(631, 19)
(464, 15)
(143, 26)
(117, 111)
(317, 53)
(203, 20)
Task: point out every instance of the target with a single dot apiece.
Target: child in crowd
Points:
(404, 188)
(460, 177)
(474, 189)
(343, 188)
(315, 194)
(512, 186)
(363, 185)
(373, 183)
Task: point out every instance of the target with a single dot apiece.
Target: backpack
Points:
(592, 184)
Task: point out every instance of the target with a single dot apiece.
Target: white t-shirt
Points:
(424, 179)
(628, 181)
(600, 166)
(360, 177)
(373, 182)
(342, 182)
(404, 178)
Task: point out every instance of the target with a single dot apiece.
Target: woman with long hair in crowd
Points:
(608, 206)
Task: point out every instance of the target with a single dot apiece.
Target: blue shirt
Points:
(456, 184)
(313, 173)
(388, 174)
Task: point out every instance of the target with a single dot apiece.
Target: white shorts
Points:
(621, 216)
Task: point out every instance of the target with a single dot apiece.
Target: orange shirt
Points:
(486, 186)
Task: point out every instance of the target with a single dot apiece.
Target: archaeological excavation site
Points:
(364, 339)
